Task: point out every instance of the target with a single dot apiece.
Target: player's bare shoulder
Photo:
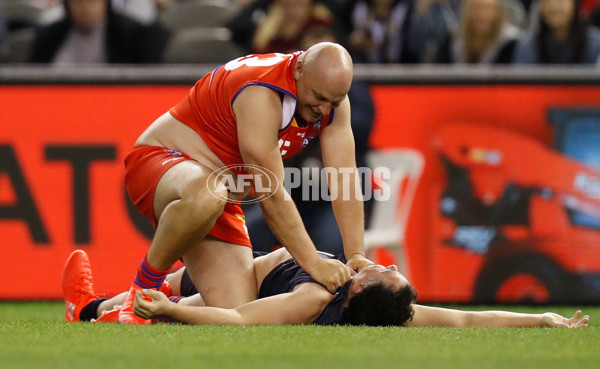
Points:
(258, 100)
(258, 112)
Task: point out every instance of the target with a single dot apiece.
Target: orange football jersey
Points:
(208, 108)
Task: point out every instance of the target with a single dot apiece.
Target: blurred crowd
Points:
(375, 31)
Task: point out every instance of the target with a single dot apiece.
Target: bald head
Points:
(330, 63)
(323, 77)
(328, 54)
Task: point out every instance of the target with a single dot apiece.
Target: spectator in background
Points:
(243, 25)
(561, 37)
(380, 32)
(285, 24)
(342, 10)
(143, 11)
(317, 215)
(483, 36)
(92, 32)
(431, 22)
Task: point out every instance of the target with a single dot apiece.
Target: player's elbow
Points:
(259, 151)
(251, 154)
(237, 318)
(467, 319)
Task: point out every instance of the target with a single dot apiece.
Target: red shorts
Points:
(146, 165)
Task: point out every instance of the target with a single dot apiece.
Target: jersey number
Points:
(282, 145)
(254, 61)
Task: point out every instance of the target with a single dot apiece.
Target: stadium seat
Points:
(390, 217)
(20, 44)
(199, 13)
(202, 45)
(26, 14)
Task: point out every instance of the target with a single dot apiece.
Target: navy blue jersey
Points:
(287, 275)
(284, 278)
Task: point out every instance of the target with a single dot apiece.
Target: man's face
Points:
(87, 14)
(389, 274)
(317, 95)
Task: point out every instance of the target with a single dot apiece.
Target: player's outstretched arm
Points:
(299, 307)
(440, 317)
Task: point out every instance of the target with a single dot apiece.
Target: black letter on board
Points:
(80, 158)
(24, 208)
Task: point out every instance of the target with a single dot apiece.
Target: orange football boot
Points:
(78, 287)
(126, 315)
(110, 316)
(166, 288)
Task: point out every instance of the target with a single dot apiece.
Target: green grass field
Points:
(34, 335)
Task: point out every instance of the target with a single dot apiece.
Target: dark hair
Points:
(578, 35)
(381, 305)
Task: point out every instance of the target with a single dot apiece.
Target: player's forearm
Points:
(348, 208)
(429, 316)
(279, 210)
(283, 218)
(203, 315)
(501, 319)
(337, 146)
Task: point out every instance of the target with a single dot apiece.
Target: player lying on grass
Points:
(375, 296)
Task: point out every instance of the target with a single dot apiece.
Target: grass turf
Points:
(34, 335)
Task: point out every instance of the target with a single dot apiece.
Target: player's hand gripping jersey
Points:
(208, 108)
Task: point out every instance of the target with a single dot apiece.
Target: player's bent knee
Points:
(218, 190)
(206, 201)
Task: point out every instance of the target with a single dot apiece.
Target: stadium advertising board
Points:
(61, 183)
(507, 207)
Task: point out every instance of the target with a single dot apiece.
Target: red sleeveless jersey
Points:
(208, 108)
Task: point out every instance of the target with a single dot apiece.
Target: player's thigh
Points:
(222, 272)
(263, 265)
(187, 179)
